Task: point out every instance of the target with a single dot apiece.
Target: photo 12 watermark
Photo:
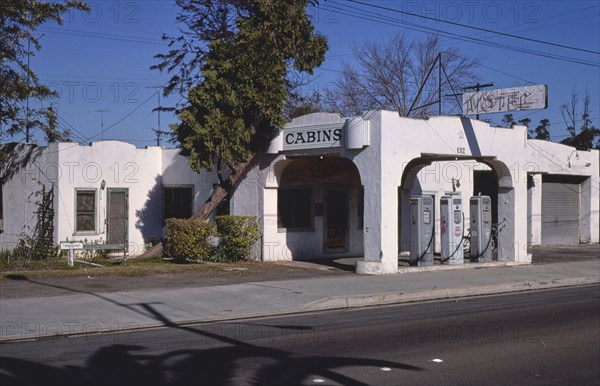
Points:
(90, 331)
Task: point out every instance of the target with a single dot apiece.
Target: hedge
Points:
(187, 239)
(237, 237)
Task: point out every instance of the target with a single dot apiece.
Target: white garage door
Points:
(560, 212)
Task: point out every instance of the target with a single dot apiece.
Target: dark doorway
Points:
(336, 220)
(486, 183)
(116, 218)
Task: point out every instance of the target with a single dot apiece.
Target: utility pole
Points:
(440, 83)
(158, 109)
(158, 135)
(478, 87)
(101, 121)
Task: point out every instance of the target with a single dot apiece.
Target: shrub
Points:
(237, 236)
(187, 239)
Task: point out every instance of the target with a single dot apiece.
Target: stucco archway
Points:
(409, 184)
(312, 208)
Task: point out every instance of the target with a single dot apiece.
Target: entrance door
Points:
(336, 220)
(116, 217)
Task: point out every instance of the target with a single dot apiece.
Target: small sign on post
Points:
(70, 246)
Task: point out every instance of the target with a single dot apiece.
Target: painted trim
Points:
(96, 211)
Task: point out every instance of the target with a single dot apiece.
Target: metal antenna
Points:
(158, 135)
(101, 121)
(158, 110)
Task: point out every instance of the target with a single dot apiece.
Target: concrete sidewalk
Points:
(91, 312)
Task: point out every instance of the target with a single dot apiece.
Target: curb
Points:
(346, 303)
(358, 301)
(452, 267)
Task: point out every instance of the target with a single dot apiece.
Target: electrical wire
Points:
(476, 28)
(101, 35)
(379, 18)
(126, 116)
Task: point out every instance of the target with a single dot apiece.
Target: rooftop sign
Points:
(505, 99)
(313, 137)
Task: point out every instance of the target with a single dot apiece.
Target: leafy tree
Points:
(541, 131)
(508, 120)
(297, 104)
(388, 73)
(18, 22)
(524, 122)
(234, 59)
(588, 133)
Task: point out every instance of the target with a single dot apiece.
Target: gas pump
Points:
(451, 229)
(421, 230)
(481, 228)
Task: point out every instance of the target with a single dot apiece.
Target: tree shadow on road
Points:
(210, 358)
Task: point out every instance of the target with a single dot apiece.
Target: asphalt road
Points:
(535, 338)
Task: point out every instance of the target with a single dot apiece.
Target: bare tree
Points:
(588, 136)
(387, 75)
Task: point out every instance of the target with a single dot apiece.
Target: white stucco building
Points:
(327, 187)
(108, 191)
(334, 186)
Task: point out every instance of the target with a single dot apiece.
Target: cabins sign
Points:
(313, 137)
(505, 99)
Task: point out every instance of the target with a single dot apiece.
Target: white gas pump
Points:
(421, 230)
(451, 229)
(481, 228)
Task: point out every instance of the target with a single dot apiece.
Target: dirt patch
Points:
(547, 254)
(54, 283)
(31, 284)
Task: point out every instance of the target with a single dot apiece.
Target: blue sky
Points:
(100, 61)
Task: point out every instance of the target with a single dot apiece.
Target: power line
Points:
(476, 28)
(356, 14)
(124, 117)
(379, 18)
(506, 73)
(79, 136)
(100, 35)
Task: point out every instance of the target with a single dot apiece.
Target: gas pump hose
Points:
(442, 261)
(426, 249)
(484, 250)
(488, 243)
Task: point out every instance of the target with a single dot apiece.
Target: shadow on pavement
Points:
(129, 364)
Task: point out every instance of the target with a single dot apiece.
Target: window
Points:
(294, 208)
(85, 211)
(178, 201)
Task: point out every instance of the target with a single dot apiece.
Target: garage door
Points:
(560, 210)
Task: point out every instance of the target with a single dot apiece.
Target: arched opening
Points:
(315, 209)
(438, 175)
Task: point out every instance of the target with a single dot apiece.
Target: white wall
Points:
(24, 173)
(71, 166)
(422, 156)
(119, 165)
